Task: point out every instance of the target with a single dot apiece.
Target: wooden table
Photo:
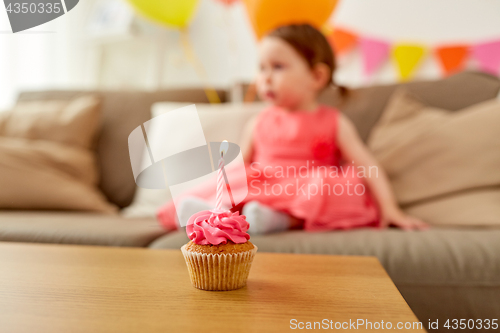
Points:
(61, 288)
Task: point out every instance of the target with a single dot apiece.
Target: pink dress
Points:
(296, 169)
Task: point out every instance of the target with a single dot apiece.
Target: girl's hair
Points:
(312, 45)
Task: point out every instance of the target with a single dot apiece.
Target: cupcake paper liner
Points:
(226, 271)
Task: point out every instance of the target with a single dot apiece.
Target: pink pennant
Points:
(488, 56)
(374, 52)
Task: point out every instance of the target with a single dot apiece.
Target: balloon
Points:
(175, 13)
(267, 15)
(227, 2)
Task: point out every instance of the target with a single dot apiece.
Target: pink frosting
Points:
(217, 227)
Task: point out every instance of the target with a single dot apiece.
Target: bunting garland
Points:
(375, 53)
(407, 57)
(488, 56)
(343, 40)
(452, 58)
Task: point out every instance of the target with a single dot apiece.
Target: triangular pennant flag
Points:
(452, 58)
(374, 53)
(342, 40)
(488, 56)
(407, 57)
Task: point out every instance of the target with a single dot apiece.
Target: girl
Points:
(293, 150)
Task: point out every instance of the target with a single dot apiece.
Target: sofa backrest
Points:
(364, 106)
(122, 111)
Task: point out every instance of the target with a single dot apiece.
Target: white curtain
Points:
(64, 53)
(48, 56)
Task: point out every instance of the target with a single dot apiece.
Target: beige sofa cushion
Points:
(122, 111)
(37, 174)
(442, 165)
(74, 122)
(83, 228)
(45, 156)
(365, 105)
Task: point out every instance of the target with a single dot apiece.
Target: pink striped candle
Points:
(220, 184)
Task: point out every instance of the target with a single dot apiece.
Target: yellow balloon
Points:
(267, 15)
(175, 13)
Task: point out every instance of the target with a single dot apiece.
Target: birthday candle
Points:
(220, 183)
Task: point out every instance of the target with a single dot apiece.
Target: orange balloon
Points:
(267, 15)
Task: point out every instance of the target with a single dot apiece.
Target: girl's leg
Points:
(265, 220)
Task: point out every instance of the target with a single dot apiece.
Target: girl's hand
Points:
(353, 149)
(399, 219)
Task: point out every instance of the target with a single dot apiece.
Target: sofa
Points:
(443, 273)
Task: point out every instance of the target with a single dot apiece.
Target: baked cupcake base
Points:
(212, 269)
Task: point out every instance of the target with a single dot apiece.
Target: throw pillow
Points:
(46, 160)
(443, 165)
(72, 122)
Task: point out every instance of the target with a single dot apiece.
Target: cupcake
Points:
(219, 254)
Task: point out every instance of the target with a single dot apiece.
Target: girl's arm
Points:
(353, 148)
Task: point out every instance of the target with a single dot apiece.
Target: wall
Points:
(429, 22)
(221, 38)
(224, 42)
(51, 55)
(62, 54)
